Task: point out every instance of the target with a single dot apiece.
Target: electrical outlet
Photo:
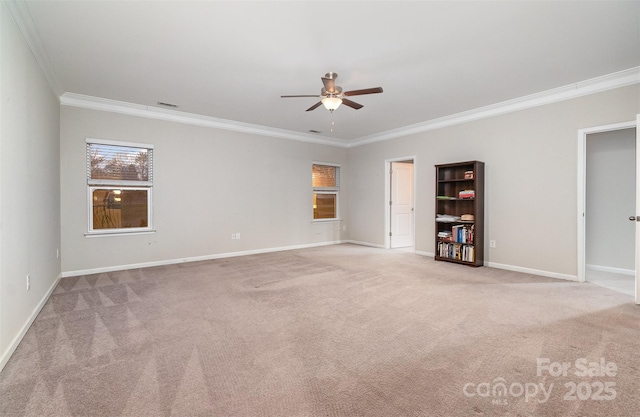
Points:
(492, 243)
(28, 282)
(58, 253)
(233, 236)
(237, 235)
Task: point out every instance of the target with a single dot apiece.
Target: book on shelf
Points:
(457, 251)
(462, 233)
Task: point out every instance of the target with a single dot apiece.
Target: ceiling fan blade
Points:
(351, 104)
(374, 90)
(315, 95)
(329, 84)
(315, 106)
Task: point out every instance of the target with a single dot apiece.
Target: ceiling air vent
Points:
(175, 106)
(314, 131)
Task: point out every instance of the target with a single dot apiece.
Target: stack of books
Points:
(445, 234)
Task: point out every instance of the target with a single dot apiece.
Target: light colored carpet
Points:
(331, 331)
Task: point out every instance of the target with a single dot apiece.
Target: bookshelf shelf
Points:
(460, 192)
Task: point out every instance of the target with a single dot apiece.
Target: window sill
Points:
(325, 220)
(119, 233)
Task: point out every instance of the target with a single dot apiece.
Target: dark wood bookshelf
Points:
(467, 246)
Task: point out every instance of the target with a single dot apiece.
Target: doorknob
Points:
(634, 218)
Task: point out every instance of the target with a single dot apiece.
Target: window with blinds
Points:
(113, 163)
(325, 177)
(325, 180)
(120, 183)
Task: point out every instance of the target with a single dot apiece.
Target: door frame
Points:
(387, 197)
(582, 189)
(637, 264)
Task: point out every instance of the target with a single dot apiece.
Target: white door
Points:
(637, 213)
(401, 204)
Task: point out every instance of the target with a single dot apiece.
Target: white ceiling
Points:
(233, 59)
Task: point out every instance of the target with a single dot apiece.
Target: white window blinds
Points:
(325, 177)
(117, 164)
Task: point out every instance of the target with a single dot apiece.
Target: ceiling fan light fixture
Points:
(331, 103)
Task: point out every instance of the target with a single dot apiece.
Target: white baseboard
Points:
(611, 270)
(532, 271)
(516, 269)
(101, 270)
(16, 340)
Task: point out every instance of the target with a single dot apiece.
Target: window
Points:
(325, 180)
(120, 184)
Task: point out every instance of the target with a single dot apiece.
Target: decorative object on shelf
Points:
(446, 218)
(460, 213)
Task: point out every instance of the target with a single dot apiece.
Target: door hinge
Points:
(389, 234)
(390, 203)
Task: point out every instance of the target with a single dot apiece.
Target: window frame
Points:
(326, 190)
(108, 184)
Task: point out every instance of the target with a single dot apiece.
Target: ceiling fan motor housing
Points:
(337, 91)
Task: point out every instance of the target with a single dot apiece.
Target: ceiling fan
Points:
(332, 96)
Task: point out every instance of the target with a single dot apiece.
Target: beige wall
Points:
(29, 186)
(531, 178)
(208, 184)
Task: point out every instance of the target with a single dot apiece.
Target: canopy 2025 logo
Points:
(499, 390)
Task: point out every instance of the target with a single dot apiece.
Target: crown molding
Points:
(591, 86)
(132, 109)
(19, 11)
(579, 89)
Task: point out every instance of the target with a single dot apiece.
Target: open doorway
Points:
(400, 219)
(610, 200)
(618, 282)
